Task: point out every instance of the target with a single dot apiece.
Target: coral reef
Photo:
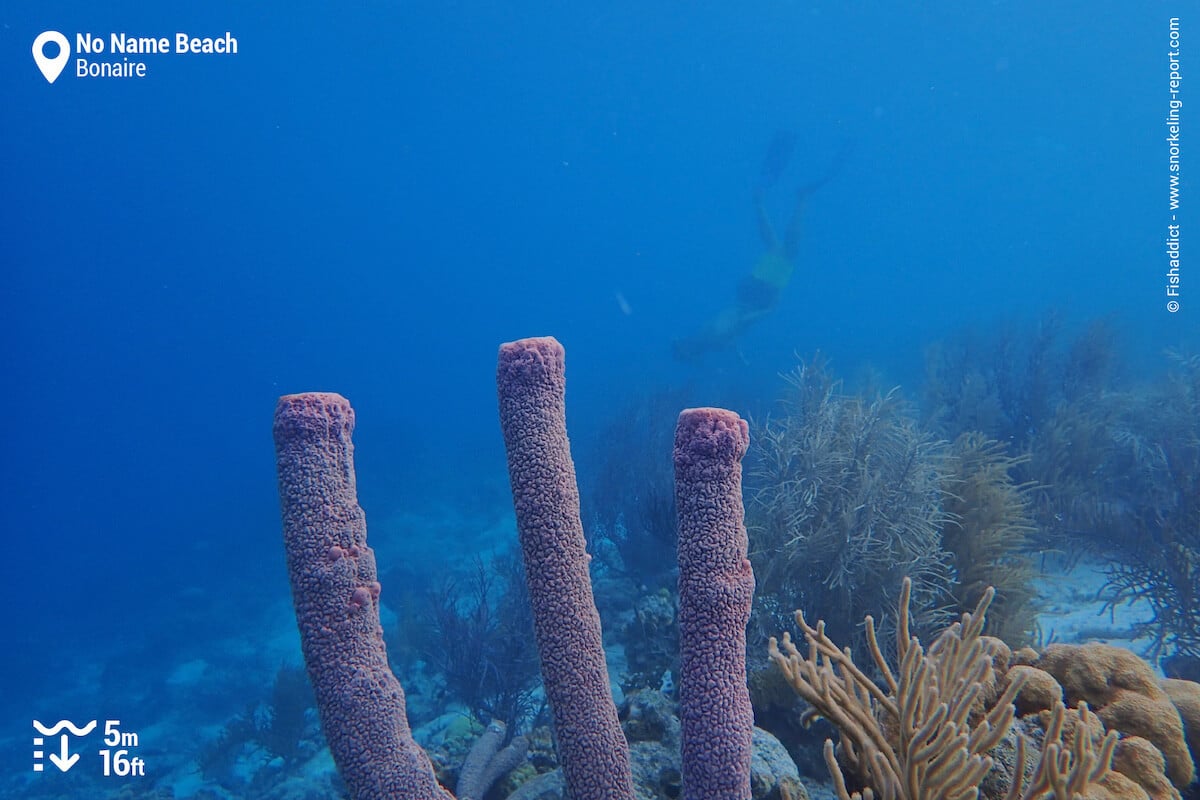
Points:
(336, 595)
(1141, 766)
(652, 726)
(847, 501)
(954, 706)
(1111, 469)
(650, 635)
(1071, 475)
(1156, 502)
(475, 635)
(926, 733)
(851, 496)
(283, 723)
(1185, 695)
(987, 532)
(1007, 381)
(1118, 474)
(1123, 691)
(1042, 396)
(268, 735)
(487, 761)
(630, 501)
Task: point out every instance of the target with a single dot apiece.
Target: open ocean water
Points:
(208, 206)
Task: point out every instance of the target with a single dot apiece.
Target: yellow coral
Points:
(1123, 690)
(916, 739)
(1143, 763)
(1185, 695)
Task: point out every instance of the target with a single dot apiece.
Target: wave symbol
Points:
(64, 723)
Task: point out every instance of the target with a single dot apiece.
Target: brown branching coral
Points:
(1157, 452)
(1007, 380)
(1043, 394)
(925, 735)
(851, 494)
(987, 535)
(847, 500)
(1069, 465)
(1118, 474)
(1067, 771)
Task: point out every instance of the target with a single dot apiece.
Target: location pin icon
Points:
(51, 67)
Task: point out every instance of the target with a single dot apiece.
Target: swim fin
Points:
(835, 166)
(779, 155)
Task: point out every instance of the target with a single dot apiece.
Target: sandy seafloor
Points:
(188, 702)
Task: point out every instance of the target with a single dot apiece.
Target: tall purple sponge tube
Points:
(716, 587)
(592, 750)
(336, 594)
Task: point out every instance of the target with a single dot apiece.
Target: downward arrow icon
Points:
(63, 760)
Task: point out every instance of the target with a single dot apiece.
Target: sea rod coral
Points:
(927, 732)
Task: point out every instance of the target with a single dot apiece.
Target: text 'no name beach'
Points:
(120, 55)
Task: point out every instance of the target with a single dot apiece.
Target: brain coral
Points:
(1123, 691)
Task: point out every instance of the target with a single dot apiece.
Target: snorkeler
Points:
(759, 293)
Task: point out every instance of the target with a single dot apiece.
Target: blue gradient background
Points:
(368, 198)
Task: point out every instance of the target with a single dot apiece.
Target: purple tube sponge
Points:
(716, 586)
(336, 594)
(591, 747)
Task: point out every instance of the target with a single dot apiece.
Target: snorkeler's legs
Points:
(719, 333)
(795, 226)
(779, 155)
(791, 234)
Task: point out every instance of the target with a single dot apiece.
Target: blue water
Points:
(368, 198)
